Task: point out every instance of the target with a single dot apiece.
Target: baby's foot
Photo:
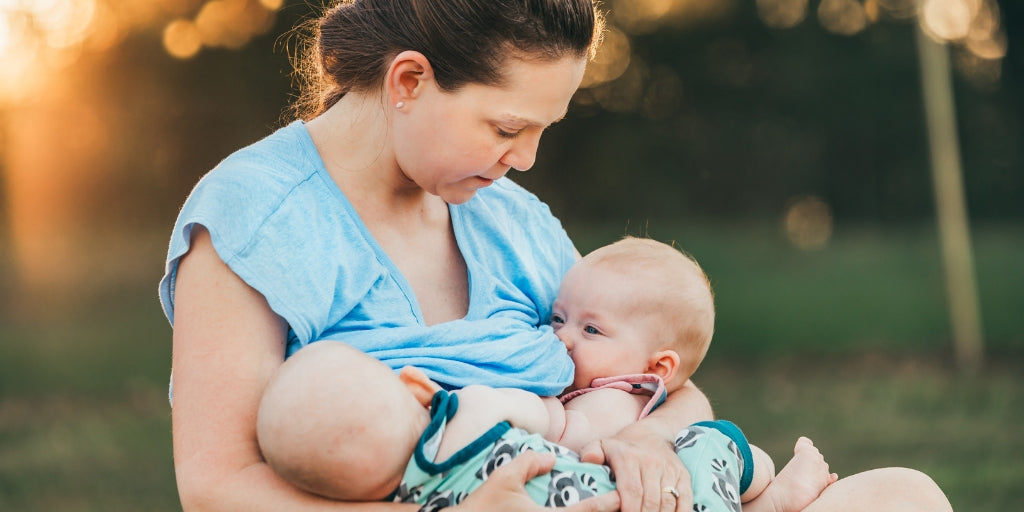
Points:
(801, 481)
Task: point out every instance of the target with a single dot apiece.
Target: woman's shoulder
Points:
(279, 160)
(254, 182)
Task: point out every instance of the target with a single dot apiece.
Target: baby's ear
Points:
(664, 364)
(419, 384)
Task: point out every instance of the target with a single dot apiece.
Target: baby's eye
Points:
(590, 329)
(555, 319)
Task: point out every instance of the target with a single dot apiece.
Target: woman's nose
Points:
(522, 155)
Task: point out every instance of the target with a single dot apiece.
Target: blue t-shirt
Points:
(279, 221)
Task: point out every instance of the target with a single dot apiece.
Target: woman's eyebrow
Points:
(516, 119)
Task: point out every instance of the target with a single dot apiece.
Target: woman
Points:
(384, 221)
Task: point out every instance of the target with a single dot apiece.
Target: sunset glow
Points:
(40, 37)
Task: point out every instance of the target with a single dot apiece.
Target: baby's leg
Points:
(764, 473)
(798, 484)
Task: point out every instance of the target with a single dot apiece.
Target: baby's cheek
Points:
(583, 377)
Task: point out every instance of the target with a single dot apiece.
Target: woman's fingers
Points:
(526, 466)
(677, 494)
(592, 453)
(504, 490)
(645, 470)
(607, 502)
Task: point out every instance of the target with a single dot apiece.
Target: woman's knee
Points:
(920, 490)
(885, 489)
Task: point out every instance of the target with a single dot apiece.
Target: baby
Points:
(637, 311)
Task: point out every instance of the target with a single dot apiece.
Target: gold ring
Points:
(671, 490)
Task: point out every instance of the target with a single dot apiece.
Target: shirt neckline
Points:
(458, 227)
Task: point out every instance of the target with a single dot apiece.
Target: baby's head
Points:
(635, 306)
(335, 422)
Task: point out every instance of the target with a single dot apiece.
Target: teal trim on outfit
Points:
(443, 407)
(747, 456)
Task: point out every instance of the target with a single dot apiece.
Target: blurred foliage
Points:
(722, 119)
(760, 116)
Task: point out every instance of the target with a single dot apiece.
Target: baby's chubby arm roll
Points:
(586, 418)
(596, 415)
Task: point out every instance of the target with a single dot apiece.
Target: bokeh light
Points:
(66, 22)
(947, 20)
(808, 222)
(782, 13)
(40, 37)
(645, 16)
(975, 26)
(846, 17)
(640, 16)
(625, 94)
(611, 60)
(983, 74)
(971, 25)
(182, 39)
(985, 37)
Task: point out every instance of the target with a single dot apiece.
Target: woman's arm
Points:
(643, 458)
(227, 343)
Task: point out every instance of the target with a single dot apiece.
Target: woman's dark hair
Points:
(350, 47)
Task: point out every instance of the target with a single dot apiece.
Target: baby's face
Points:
(599, 317)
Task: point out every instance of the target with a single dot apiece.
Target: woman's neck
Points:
(353, 140)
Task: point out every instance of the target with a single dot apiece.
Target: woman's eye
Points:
(508, 135)
(590, 329)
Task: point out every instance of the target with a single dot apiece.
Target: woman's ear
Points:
(663, 363)
(419, 384)
(406, 77)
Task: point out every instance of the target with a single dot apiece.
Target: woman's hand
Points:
(505, 489)
(646, 467)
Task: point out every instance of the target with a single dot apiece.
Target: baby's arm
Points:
(481, 407)
(595, 415)
(764, 473)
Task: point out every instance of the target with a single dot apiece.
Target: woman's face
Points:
(453, 144)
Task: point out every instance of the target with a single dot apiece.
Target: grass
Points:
(874, 410)
(847, 345)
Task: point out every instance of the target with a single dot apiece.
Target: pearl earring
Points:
(399, 105)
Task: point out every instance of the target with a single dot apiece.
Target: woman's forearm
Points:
(257, 488)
